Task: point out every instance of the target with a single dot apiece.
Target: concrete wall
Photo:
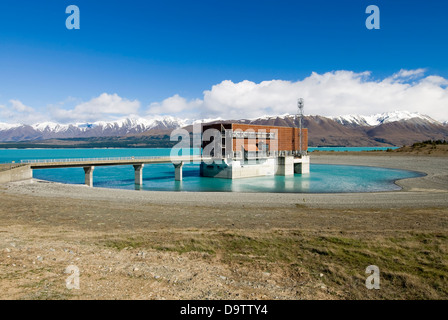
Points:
(16, 174)
(236, 170)
(302, 165)
(285, 166)
(265, 168)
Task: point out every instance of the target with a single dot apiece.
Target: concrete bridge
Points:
(89, 165)
(24, 170)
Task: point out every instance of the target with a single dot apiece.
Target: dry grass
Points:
(425, 149)
(413, 265)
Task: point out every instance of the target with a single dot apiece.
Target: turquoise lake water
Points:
(160, 177)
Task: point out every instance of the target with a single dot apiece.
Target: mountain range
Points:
(51, 130)
(385, 129)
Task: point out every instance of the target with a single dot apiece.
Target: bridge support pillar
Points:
(178, 171)
(138, 173)
(303, 166)
(285, 166)
(88, 171)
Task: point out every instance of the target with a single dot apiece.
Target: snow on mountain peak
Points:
(269, 117)
(402, 115)
(7, 126)
(49, 127)
(380, 118)
(200, 121)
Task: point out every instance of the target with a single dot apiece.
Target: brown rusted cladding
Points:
(288, 138)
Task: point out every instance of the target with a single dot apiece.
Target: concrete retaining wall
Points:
(236, 169)
(16, 174)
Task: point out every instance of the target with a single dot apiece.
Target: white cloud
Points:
(17, 112)
(174, 105)
(20, 107)
(409, 74)
(104, 107)
(329, 94)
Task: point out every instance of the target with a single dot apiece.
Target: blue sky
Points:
(156, 56)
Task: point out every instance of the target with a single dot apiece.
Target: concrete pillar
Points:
(285, 166)
(303, 166)
(88, 171)
(138, 173)
(178, 171)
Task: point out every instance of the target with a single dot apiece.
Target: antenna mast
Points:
(300, 105)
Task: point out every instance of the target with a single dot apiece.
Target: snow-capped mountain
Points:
(135, 125)
(50, 127)
(51, 130)
(362, 120)
(381, 118)
(384, 129)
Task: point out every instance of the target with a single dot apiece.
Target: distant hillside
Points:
(155, 141)
(434, 148)
(407, 132)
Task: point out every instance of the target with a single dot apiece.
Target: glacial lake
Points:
(160, 177)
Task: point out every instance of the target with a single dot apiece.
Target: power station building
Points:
(244, 150)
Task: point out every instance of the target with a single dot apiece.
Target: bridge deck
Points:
(95, 162)
(73, 163)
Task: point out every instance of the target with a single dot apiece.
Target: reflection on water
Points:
(160, 177)
(304, 183)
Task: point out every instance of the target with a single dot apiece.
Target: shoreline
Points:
(425, 191)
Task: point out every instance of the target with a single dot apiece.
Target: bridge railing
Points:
(104, 159)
